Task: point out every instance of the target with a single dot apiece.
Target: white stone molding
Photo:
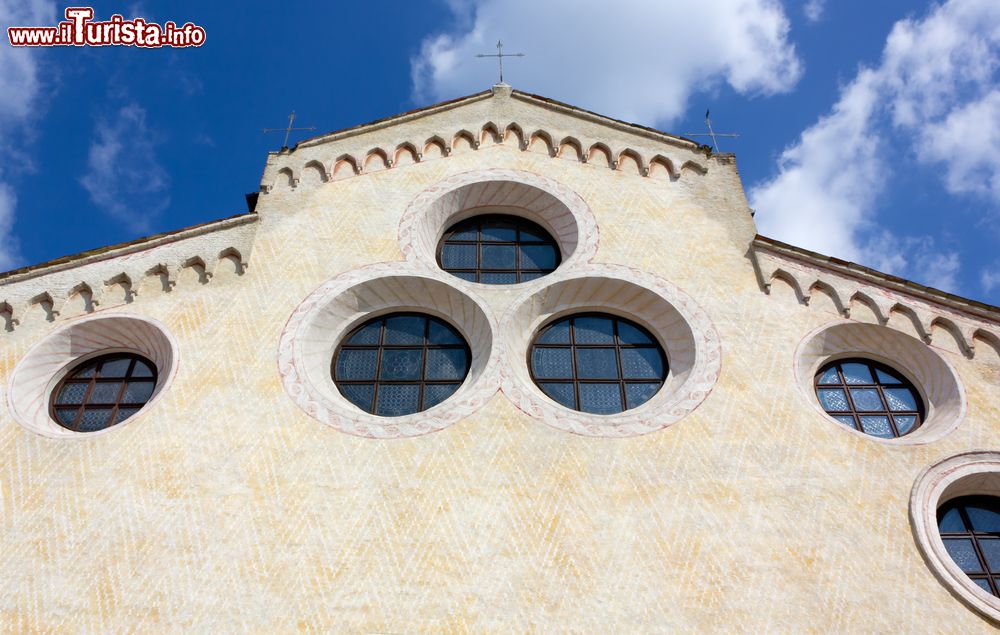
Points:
(48, 361)
(932, 313)
(313, 331)
(931, 374)
(966, 474)
(557, 208)
(683, 329)
(285, 169)
(112, 276)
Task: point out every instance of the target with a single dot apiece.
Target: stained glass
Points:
(600, 398)
(499, 232)
(900, 399)
(855, 373)
(395, 400)
(497, 278)
(447, 363)
(964, 554)
(641, 363)
(138, 391)
(951, 521)
(124, 413)
(141, 369)
(359, 394)
(401, 364)
(557, 333)
(369, 334)
(866, 399)
(94, 419)
(116, 367)
(833, 399)
(104, 393)
(552, 363)
(984, 518)
(628, 334)
(72, 393)
(499, 257)
(440, 334)
(830, 376)
(458, 256)
(436, 393)
(593, 330)
(984, 584)
(904, 423)
(357, 364)
(847, 420)
(562, 393)
(538, 257)
(510, 249)
(638, 394)
(991, 551)
(877, 426)
(101, 395)
(596, 363)
(407, 329)
(885, 377)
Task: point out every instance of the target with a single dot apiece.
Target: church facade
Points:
(498, 364)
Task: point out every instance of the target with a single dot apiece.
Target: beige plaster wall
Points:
(225, 507)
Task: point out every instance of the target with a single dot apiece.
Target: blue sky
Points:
(869, 130)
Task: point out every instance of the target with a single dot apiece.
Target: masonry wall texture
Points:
(225, 506)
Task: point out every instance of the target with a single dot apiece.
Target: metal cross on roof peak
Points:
(713, 134)
(288, 129)
(500, 55)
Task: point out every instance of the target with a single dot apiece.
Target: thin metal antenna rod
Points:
(500, 55)
(288, 129)
(712, 133)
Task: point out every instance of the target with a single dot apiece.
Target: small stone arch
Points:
(514, 133)
(662, 167)
(286, 178)
(864, 309)
(789, 280)
(463, 141)
(435, 148)
(406, 154)
(541, 142)
(946, 334)
(903, 318)
(123, 282)
(697, 168)
(195, 269)
(344, 166)
(600, 154)
(489, 134)
(376, 160)
(825, 297)
(987, 344)
(230, 263)
(571, 149)
(80, 300)
(314, 173)
(7, 315)
(631, 161)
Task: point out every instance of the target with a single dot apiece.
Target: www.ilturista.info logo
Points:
(79, 29)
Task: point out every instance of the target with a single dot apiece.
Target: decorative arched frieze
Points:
(570, 148)
(463, 141)
(513, 135)
(406, 154)
(864, 295)
(435, 148)
(489, 134)
(600, 154)
(630, 161)
(661, 166)
(541, 142)
(376, 159)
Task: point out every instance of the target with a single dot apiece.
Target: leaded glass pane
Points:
(72, 393)
(500, 232)
(983, 584)
(367, 334)
(66, 416)
(359, 394)
(601, 399)
(94, 419)
(138, 391)
(866, 399)
(596, 363)
(593, 330)
(830, 376)
(904, 423)
(447, 363)
(142, 369)
(105, 393)
(87, 370)
(833, 399)
(964, 554)
(628, 334)
(499, 257)
(396, 400)
(561, 393)
(538, 257)
(886, 377)
(401, 364)
(642, 363)
(877, 426)
(855, 373)
(991, 551)
(115, 367)
(530, 275)
(638, 394)
(470, 232)
(465, 275)
(534, 234)
(124, 413)
(497, 278)
(458, 256)
(951, 522)
(983, 518)
(441, 334)
(436, 393)
(847, 420)
(552, 363)
(556, 333)
(900, 399)
(404, 329)
(357, 364)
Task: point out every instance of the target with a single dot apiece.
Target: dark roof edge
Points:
(854, 270)
(386, 121)
(653, 133)
(113, 251)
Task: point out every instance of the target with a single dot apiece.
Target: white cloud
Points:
(124, 177)
(638, 60)
(814, 10)
(990, 278)
(933, 86)
(20, 86)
